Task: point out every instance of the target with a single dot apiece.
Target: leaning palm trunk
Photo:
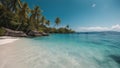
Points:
(19, 2)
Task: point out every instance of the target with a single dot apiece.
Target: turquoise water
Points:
(63, 51)
(82, 50)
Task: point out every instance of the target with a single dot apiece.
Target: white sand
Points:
(7, 39)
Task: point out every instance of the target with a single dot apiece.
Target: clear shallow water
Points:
(63, 51)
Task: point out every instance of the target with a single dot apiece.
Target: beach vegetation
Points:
(2, 32)
(16, 15)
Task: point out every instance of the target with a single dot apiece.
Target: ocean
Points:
(77, 50)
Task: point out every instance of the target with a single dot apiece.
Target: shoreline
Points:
(7, 39)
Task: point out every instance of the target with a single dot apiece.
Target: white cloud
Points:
(116, 27)
(98, 28)
(93, 5)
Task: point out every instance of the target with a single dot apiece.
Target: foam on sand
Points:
(6, 40)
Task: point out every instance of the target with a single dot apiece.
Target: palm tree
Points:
(37, 11)
(47, 23)
(37, 14)
(6, 4)
(35, 17)
(67, 26)
(23, 15)
(5, 16)
(57, 21)
(31, 25)
(15, 4)
(43, 20)
(11, 5)
(19, 2)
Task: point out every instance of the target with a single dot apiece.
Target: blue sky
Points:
(81, 13)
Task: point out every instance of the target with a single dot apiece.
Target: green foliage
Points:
(2, 32)
(65, 30)
(53, 30)
(6, 17)
(60, 30)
